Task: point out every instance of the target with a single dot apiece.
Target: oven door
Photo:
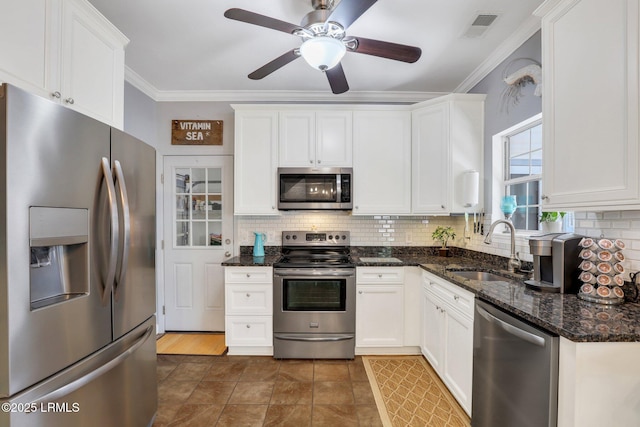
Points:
(314, 300)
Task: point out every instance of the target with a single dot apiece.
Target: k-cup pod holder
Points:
(601, 271)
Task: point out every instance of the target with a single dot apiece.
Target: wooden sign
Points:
(196, 132)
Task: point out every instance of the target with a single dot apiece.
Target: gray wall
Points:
(497, 119)
(140, 115)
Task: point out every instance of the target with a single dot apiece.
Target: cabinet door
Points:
(297, 139)
(255, 162)
(334, 138)
(430, 160)
(381, 153)
(458, 353)
(23, 38)
(379, 316)
(92, 64)
(432, 330)
(590, 105)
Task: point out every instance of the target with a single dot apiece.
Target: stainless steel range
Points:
(314, 297)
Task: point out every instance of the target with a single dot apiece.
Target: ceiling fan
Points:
(324, 39)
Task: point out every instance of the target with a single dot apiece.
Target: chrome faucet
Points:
(514, 261)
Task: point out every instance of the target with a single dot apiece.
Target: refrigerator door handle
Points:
(113, 211)
(86, 379)
(126, 220)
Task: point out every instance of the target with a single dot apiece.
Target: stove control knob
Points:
(294, 237)
(344, 237)
(287, 237)
(331, 237)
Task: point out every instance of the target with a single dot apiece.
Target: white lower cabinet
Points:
(249, 310)
(379, 307)
(447, 335)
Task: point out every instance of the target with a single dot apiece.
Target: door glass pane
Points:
(215, 233)
(199, 237)
(198, 213)
(182, 233)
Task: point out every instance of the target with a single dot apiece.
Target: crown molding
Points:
(274, 96)
(502, 52)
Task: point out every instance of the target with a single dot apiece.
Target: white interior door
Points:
(198, 232)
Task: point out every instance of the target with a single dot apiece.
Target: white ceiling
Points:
(188, 46)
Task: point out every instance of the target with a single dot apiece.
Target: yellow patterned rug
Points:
(408, 392)
(191, 343)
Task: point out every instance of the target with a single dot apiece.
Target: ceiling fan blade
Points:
(260, 20)
(347, 11)
(398, 52)
(337, 79)
(274, 65)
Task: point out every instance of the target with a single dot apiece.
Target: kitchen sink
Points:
(484, 276)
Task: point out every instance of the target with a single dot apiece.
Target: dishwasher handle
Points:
(513, 330)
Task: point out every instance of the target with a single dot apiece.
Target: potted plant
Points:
(551, 222)
(442, 235)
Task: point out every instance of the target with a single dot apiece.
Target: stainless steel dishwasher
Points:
(515, 371)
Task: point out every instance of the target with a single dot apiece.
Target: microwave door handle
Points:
(126, 220)
(339, 188)
(113, 214)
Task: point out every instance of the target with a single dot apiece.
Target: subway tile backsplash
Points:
(389, 230)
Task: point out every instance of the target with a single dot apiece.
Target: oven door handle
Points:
(293, 337)
(313, 272)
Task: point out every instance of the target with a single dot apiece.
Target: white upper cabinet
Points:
(66, 50)
(255, 162)
(381, 159)
(590, 56)
(91, 67)
(310, 138)
(447, 141)
(23, 38)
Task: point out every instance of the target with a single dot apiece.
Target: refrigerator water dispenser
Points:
(59, 266)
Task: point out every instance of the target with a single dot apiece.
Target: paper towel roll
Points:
(471, 188)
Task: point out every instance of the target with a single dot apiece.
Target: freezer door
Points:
(114, 387)
(54, 304)
(134, 169)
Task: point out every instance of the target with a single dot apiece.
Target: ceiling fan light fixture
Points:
(323, 53)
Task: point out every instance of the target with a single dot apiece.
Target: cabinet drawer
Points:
(248, 299)
(451, 294)
(248, 275)
(249, 330)
(380, 275)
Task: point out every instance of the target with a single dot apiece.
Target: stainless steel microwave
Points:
(315, 188)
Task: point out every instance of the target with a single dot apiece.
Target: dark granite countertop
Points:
(562, 314)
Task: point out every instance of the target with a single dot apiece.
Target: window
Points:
(523, 174)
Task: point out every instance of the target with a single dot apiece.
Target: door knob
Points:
(227, 254)
(227, 242)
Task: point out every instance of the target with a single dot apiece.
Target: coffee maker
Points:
(556, 260)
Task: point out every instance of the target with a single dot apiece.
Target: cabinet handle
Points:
(248, 275)
(360, 292)
(380, 275)
(248, 295)
(311, 161)
(545, 197)
(69, 101)
(442, 206)
(456, 297)
(248, 326)
(56, 94)
(319, 161)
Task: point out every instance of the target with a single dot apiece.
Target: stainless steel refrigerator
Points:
(77, 269)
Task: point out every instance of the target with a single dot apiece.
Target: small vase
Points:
(552, 227)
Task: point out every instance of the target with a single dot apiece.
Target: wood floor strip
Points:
(201, 344)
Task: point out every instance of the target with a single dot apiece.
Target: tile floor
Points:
(261, 391)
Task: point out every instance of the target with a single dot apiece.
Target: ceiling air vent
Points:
(480, 25)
